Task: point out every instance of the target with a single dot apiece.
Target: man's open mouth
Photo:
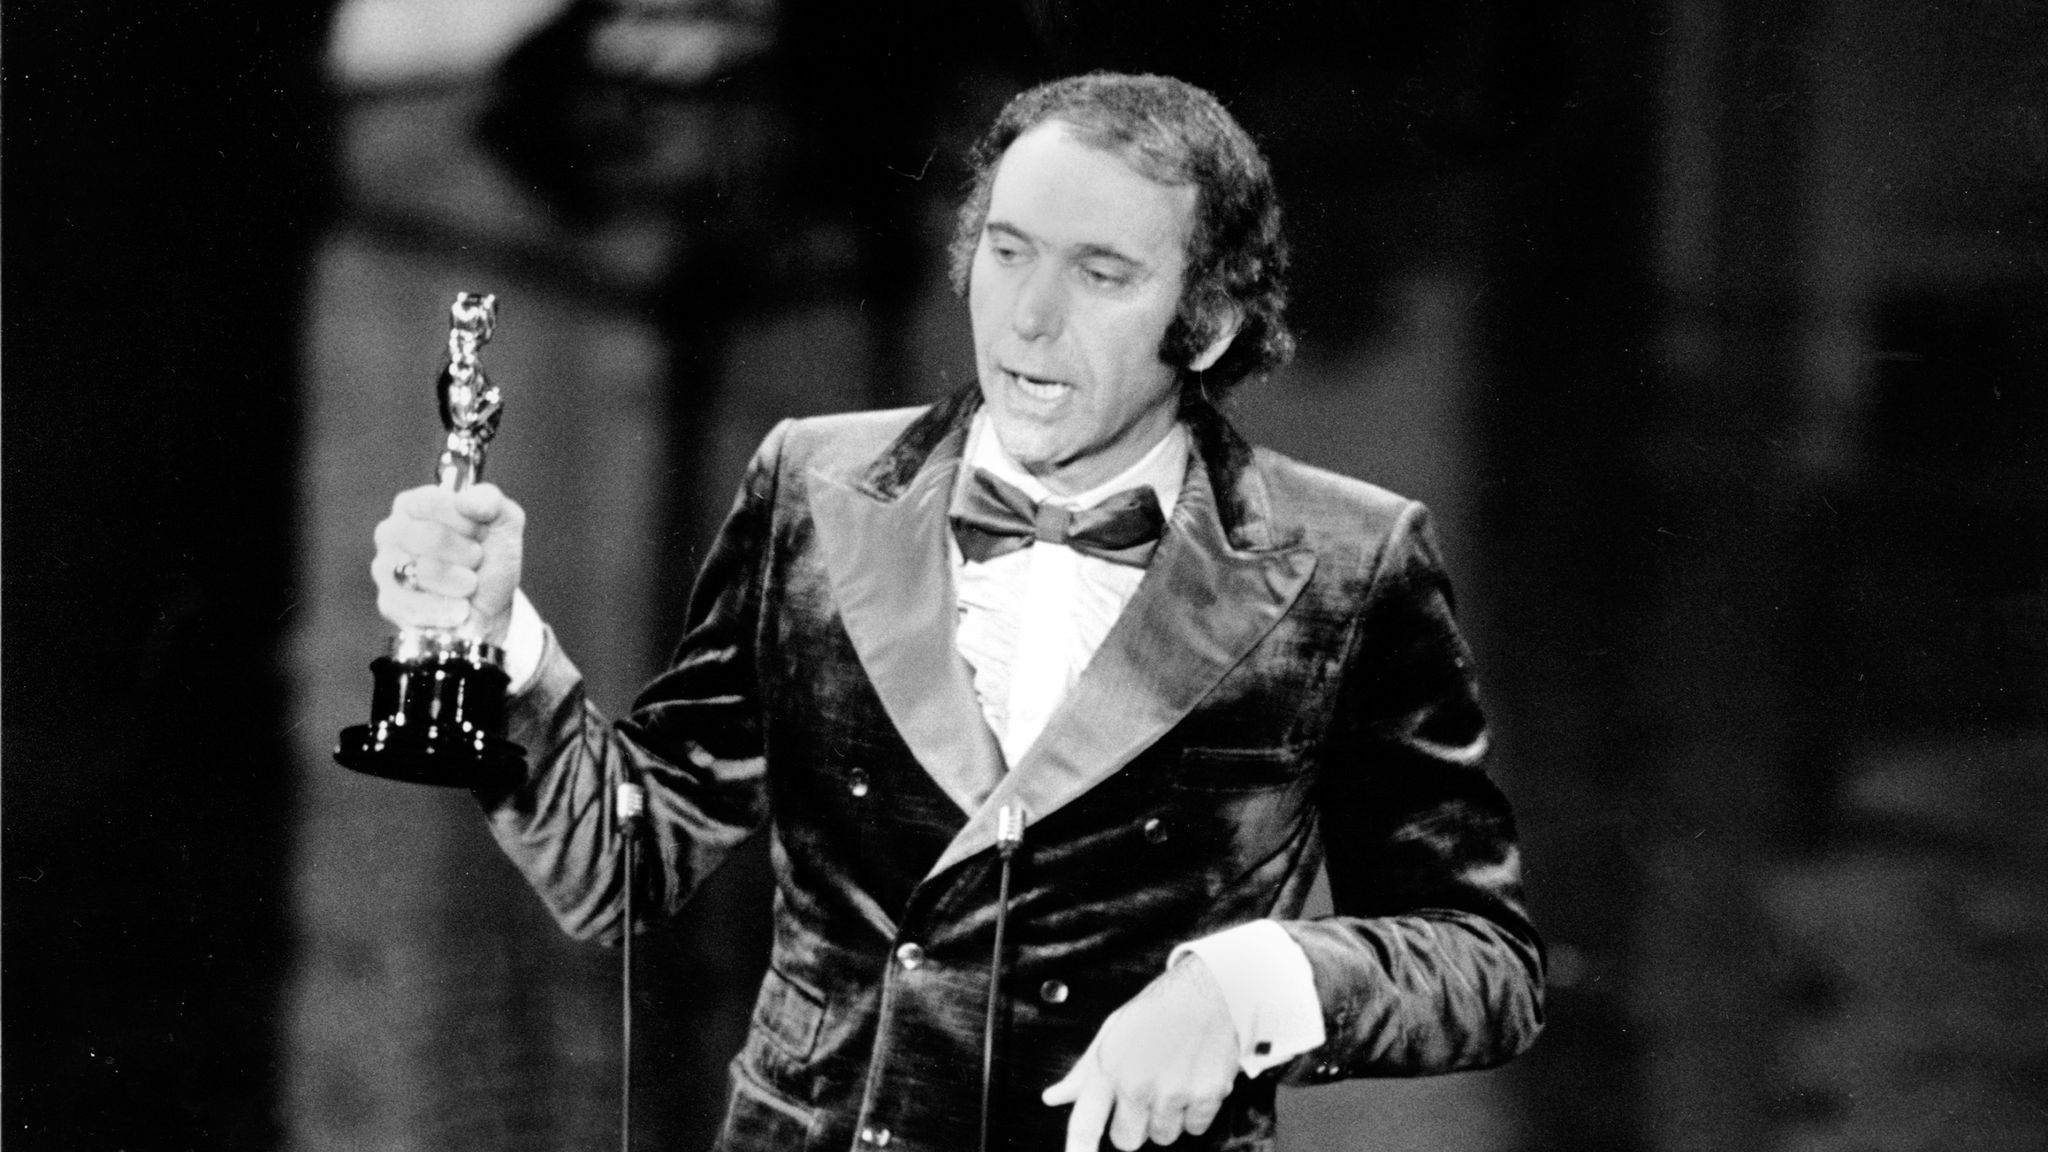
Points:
(1038, 388)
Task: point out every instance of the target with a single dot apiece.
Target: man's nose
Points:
(1041, 303)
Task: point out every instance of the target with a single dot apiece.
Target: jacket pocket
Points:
(1237, 769)
(789, 1015)
(756, 1118)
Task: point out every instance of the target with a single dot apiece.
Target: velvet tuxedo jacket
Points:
(1286, 690)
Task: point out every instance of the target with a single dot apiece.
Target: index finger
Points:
(1091, 1112)
(436, 506)
(481, 503)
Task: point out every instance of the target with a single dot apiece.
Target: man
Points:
(915, 623)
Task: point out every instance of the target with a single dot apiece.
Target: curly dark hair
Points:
(1174, 133)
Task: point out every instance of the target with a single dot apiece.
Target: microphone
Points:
(1009, 837)
(1009, 829)
(629, 805)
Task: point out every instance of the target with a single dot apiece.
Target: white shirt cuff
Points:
(525, 642)
(1271, 991)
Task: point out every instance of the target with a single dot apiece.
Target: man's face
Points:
(1076, 278)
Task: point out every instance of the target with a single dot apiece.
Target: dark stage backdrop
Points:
(1715, 334)
(165, 168)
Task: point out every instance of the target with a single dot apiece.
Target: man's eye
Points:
(1005, 252)
(1103, 277)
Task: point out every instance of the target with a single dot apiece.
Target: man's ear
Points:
(1227, 325)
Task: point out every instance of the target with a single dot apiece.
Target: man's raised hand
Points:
(464, 552)
(1161, 1065)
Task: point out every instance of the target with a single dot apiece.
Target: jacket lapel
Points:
(1206, 602)
(883, 538)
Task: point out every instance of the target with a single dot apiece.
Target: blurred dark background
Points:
(1716, 333)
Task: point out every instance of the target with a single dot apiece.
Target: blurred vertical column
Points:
(433, 1003)
(1720, 689)
(1562, 316)
(683, 255)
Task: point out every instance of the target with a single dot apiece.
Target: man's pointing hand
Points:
(1161, 1065)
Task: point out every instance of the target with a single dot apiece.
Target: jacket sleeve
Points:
(693, 740)
(1429, 962)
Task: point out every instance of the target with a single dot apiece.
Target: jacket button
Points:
(910, 956)
(857, 782)
(875, 1137)
(1053, 992)
(1155, 830)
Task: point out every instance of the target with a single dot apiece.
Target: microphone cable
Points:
(1009, 836)
(630, 804)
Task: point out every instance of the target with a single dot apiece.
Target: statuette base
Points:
(433, 717)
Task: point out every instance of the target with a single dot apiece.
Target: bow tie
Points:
(992, 518)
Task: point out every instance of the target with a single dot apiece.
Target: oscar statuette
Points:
(439, 696)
